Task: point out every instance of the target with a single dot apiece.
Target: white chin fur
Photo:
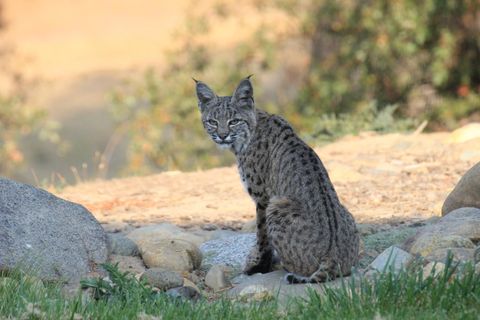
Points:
(224, 145)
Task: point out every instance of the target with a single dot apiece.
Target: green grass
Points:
(405, 295)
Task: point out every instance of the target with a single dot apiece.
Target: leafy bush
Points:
(163, 126)
(385, 50)
(18, 120)
(159, 113)
(364, 58)
(332, 126)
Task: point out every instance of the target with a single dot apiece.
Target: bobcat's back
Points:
(307, 221)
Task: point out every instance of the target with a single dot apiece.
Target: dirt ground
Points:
(391, 178)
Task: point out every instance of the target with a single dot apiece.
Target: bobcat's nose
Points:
(223, 136)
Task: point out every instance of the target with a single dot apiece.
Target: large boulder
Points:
(466, 193)
(41, 233)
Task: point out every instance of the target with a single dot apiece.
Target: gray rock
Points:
(216, 279)
(162, 278)
(191, 284)
(121, 245)
(186, 292)
(460, 228)
(466, 193)
(376, 243)
(230, 251)
(57, 239)
(392, 258)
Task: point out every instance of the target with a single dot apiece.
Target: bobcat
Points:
(299, 215)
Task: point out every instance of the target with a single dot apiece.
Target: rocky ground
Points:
(200, 224)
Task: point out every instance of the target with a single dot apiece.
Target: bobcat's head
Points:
(230, 121)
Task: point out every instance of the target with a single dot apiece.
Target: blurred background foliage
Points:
(330, 67)
(18, 119)
(373, 65)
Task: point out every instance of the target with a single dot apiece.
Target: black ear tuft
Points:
(243, 95)
(204, 94)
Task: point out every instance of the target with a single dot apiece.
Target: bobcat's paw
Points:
(258, 262)
(292, 278)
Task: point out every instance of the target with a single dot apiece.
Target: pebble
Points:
(255, 293)
(173, 254)
(162, 279)
(121, 245)
(392, 257)
(216, 279)
(185, 292)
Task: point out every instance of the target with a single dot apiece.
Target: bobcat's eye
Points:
(212, 122)
(234, 122)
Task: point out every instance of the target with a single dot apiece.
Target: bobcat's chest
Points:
(243, 178)
(253, 183)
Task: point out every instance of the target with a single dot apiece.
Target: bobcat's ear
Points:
(243, 95)
(204, 94)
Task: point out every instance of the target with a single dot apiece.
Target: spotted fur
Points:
(299, 215)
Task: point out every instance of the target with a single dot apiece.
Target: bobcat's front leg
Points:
(260, 257)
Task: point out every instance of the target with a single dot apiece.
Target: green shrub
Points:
(332, 126)
(372, 65)
(18, 120)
